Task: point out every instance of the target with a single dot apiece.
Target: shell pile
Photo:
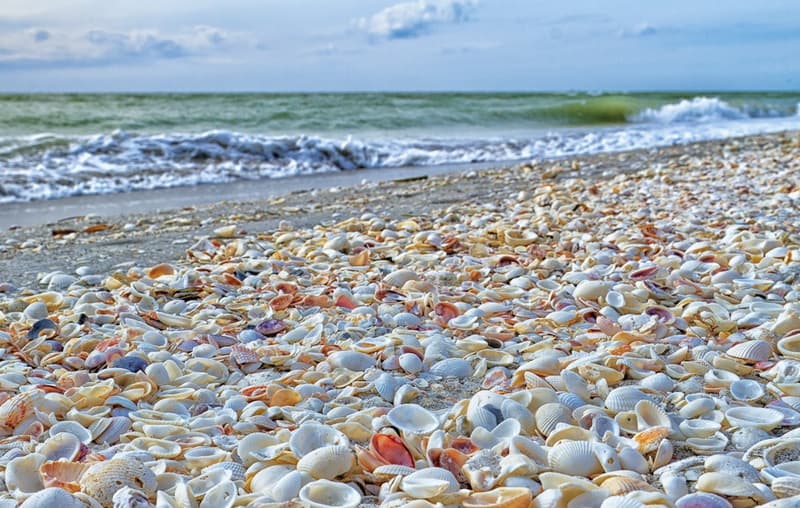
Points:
(623, 342)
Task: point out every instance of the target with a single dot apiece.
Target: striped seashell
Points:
(752, 351)
(621, 485)
(625, 398)
(549, 415)
(575, 458)
(327, 462)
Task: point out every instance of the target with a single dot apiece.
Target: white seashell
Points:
(22, 474)
(746, 390)
(625, 398)
(386, 386)
(790, 346)
(732, 466)
(483, 409)
(451, 367)
(549, 415)
(222, 495)
(413, 418)
(410, 363)
(649, 414)
(327, 462)
(576, 458)
(786, 486)
(699, 428)
(464, 322)
(658, 382)
(727, 485)
(674, 485)
(263, 481)
(512, 409)
(752, 351)
(576, 385)
(288, 487)
(351, 360)
(62, 445)
(429, 482)
(697, 407)
(72, 427)
(311, 435)
(327, 494)
(718, 378)
(52, 497)
(749, 416)
(399, 277)
(702, 500)
(630, 459)
(783, 450)
(615, 299)
(591, 290)
(708, 445)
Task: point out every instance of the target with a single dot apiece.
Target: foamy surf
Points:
(42, 166)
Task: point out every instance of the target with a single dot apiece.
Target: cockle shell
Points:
(581, 458)
(658, 382)
(625, 398)
(327, 494)
(103, 479)
(413, 418)
(752, 351)
(790, 346)
(549, 415)
(18, 408)
(746, 390)
(327, 462)
(451, 367)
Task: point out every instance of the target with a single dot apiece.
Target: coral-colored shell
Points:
(17, 408)
(392, 449)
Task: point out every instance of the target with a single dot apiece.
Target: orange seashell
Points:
(392, 449)
(160, 270)
(495, 378)
(18, 408)
(445, 311)
(368, 459)
(360, 258)
(285, 397)
(464, 445)
(281, 302)
(65, 475)
(315, 301)
(450, 459)
(255, 392)
(347, 303)
(649, 439)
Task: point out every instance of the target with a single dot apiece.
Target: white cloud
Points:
(408, 20)
(100, 47)
(640, 30)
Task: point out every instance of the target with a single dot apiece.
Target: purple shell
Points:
(131, 363)
(271, 327)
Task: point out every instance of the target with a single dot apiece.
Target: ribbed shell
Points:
(621, 485)
(550, 415)
(625, 398)
(18, 407)
(658, 382)
(441, 480)
(751, 351)
(574, 458)
(103, 479)
(327, 462)
(451, 367)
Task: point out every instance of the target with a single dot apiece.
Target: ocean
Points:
(60, 145)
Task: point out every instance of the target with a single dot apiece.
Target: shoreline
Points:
(162, 232)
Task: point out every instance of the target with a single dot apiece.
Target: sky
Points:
(390, 45)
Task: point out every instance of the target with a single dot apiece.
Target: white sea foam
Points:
(48, 166)
(697, 109)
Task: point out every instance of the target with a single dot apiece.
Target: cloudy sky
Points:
(314, 45)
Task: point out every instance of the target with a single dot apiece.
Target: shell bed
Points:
(630, 341)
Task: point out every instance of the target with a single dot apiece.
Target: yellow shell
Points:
(104, 479)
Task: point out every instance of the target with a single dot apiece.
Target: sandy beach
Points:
(621, 327)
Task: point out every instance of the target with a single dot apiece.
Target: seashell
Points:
(786, 486)
(581, 458)
(625, 398)
(328, 494)
(131, 363)
(784, 450)
(650, 439)
(697, 407)
(270, 327)
(549, 415)
(312, 435)
(52, 497)
(752, 351)
(410, 363)
(288, 487)
(746, 390)
(203, 456)
(18, 408)
(699, 428)
(222, 495)
(429, 482)
(63, 445)
(464, 322)
(748, 416)
(621, 485)
(62, 474)
(398, 278)
(103, 479)
(22, 474)
(708, 445)
(732, 466)
(327, 462)
(718, 378)
(482, 470)
(413, 418)
(631, 460)
(109, 430)
(351, 360)
(500, 497)
(747, 437)
(74, 428)
(451, 367)
(728, 485)
(237, 470)
(649, 414)
(790, 346)
(159, 448)
(130, 498)
(702, 500)
(658, 382)
(591, 290)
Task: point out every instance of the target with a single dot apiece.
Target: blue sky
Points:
(337, 45)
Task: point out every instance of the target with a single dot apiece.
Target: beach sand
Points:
(156, 226)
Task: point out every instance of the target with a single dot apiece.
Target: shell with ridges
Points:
(103, 479)
(625, 398)
(549, 415)
(752, 351)
(327, 462)
(312, 435)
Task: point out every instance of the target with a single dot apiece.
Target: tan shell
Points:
(574, 458)
(752, 351)
(65, 475)
(103, 479)
(501, 497)
(327, 494)
(327, 462)
(621, 485)
(17, 408)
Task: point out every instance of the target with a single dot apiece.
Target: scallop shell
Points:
(752, 351)
(576, 458)
(103, 479)
(52, 497)
(625, 398)
(327, 462)
(18, 408)
(429, 482)
(410, 363)
(413, 418)
(312, 435)
(658, 382)
(549, 415)
(451, 367)
(749, 416)
(621, 485)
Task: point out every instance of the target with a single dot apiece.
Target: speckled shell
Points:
(550, 415)
(751, 351)
(327, 462)
(103, 479)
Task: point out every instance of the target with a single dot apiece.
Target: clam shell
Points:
(500, 497)
(727, 485)
(790, 346)
(625, 398)
(699, 428)
(312, 435)
(702, 500)
(413, 418)
(410, 363)
(327, 462)
(658, 382)
(222, 495)
(649, 414)
(52, 497)
(749, 416)
(63, 445)
(351, 360)
(752, 351)
(327, 494)
(451, 367)
(786, 486)
(72, 427)
(549, 415)
(708, 445)
(22, 474)
(733, 466)
(62, 474)
(746, 390)
(398, 278)
(103, 479)
(288, 487)
(429, 482)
